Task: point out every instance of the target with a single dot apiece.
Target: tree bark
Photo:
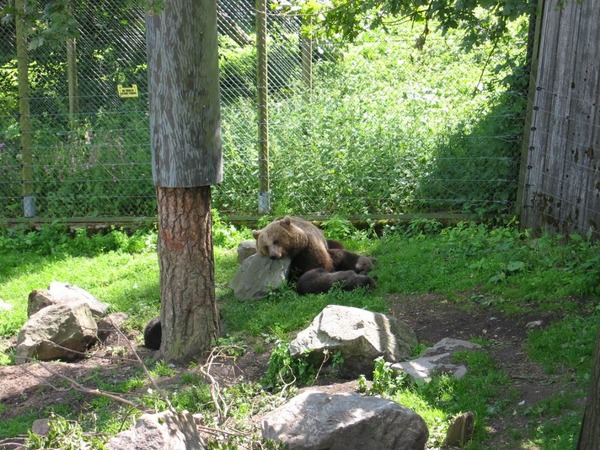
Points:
(189, 316)
(186, 159)
(589, 436)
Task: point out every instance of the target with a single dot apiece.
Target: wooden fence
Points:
(561, 159)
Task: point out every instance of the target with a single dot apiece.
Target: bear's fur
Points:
(332, 243)
(153, 334)
(298, 239)
(345, 260)
(318, 281)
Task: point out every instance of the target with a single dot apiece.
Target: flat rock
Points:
(259, 275)
(315, 420)
(436, 360)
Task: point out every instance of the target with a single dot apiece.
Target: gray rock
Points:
(68, 293)
(41, 427)
(56, 332)
(64, 293)
(245, 249)
(360, 336)
(259, 275)
(534, 324)
(39, 299)
(162, 431)
(316, 420)
(110, 324)
(460, 431)
(437, 359)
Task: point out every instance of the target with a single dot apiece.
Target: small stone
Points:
(460, 430)
(534, 324)
(41, 427)
(5, 306)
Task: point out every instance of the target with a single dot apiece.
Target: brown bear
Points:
(345, 260)
(297, 239)
(318, 281)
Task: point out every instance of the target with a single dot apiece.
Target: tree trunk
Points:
(589, 436)
(186, 159)
(189, 316)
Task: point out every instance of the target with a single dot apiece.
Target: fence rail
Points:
(375, 128)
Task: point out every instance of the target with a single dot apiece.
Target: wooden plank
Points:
(538, 148)
(577, 133)
(562, 189)
(590, 223)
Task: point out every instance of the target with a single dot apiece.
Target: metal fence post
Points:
(72, 76)
(24, 109)
(264, 193)
(307, 56)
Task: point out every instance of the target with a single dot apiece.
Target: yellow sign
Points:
(127, 92)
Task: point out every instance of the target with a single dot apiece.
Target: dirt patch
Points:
(31, 388)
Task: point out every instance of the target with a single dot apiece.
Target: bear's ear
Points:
(256, 233)
(286, 221)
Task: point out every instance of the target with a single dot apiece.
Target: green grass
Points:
(501, 268)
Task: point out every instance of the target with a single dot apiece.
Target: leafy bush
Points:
(386, 129)
(283, 370)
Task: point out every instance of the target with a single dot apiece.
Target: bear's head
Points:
(280, 238)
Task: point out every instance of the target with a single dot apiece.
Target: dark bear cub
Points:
(153, 334)
(345, 260)
(319, 281)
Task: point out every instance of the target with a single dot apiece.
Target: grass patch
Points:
(568, 343)
(501, 268)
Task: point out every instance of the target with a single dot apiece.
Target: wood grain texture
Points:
(185, 118)
(562, 182)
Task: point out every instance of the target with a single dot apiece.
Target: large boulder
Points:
(65, 293)
(57, 332)
(259, 275)
(162, 431)
(360, 336)
(316, 420)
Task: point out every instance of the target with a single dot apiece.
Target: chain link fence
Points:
(382, 126)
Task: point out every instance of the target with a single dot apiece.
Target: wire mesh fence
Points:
(369, 128)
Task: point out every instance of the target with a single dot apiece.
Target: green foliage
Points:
(195, 398)
(501, 266)
(57, 239)
(162, 369)
(377, 134)
(386, 380)
(566, 343)
(63, 434)
(338, 228)
(459, 262)
(482, 20)
(283, 311)
(225, 234)
(283, 370)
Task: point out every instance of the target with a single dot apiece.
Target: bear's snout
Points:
(275, 253)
